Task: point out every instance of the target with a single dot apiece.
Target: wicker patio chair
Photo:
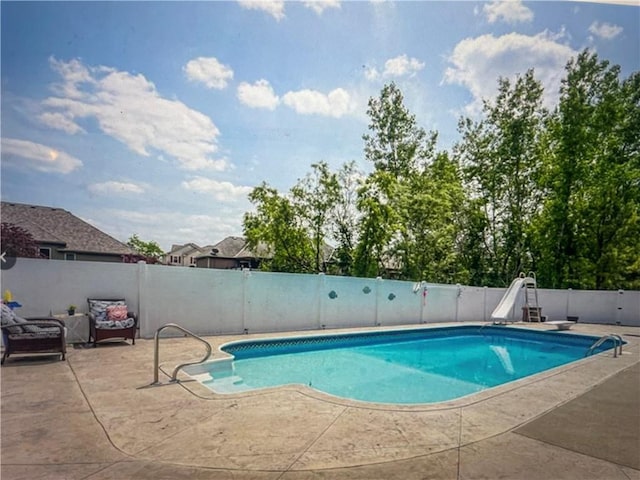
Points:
(32, 335)
(109, 318)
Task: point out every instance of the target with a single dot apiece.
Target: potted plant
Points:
(71, 310)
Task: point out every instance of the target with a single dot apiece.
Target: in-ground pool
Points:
(400, 366)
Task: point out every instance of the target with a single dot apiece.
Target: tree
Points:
(298, 228)
(501, 161)
(316, 197)
(150, 250)
(277, 226)
(588, 232)
(345, 218)
(18, 242)
(400, 151)
(431, 209)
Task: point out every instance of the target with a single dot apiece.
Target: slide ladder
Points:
(531, 298)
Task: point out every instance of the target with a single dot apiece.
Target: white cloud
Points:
(221, 191)
(509, 11)
(309, 102)
(478, 62)
(371, 73)
(114, 188)
(606, 31)
(399, 66)
(129, 108)
(208, 70)
(61, 122)
(258, 95)
(320, 6)
(23, 153)
(273, 8)
(402, 65)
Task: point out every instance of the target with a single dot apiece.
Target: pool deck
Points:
(94, 417)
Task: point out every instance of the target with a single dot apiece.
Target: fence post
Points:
(484, 303)
(320, 323)
(619, 308)
(376, 317)
(142, 310)
(246, 274)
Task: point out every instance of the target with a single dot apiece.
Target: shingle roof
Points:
(230, 246)
(56, 225)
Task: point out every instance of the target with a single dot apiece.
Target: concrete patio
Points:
(94, 417)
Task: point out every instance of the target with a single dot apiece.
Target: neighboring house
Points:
(61, 235)
(231, 253)
(185, 255)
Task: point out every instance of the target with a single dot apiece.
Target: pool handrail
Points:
(156, 353)
(617, 341)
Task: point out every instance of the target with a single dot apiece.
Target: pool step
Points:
(230, 384)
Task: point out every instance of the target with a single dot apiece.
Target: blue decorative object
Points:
(333, 294)
(366, 290)
(391, 296)
(13, 305)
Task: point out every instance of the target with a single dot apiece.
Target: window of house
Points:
(44, 252)
(69, 256)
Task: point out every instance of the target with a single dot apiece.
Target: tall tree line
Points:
(524, 189)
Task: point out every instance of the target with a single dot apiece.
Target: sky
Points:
(158, 118)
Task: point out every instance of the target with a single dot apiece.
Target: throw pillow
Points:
(117, 312)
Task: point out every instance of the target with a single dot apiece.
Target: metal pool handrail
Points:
(156, 353)
(617, 340)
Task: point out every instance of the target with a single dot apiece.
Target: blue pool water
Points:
(403, 367)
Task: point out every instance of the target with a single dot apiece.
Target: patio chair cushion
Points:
(99, 310)
(44, 333)
(9, 317)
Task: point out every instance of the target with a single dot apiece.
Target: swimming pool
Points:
(401, 366)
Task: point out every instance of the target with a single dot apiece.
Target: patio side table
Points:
(77, 327)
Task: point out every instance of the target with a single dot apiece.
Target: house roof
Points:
(232, 247)
(185, 249)
(229, 247)
(58, 226)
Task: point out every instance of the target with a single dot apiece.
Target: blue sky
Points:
(158, 118)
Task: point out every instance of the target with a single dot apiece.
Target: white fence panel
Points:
(347, 301)
(397, 304)
(441, 303)
(281, 301)
(473, 304)
(50, 286)
(205, 301)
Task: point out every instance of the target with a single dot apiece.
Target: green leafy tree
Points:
(150, 249)
(501, 158)
(411, 202)
(432, 208)
(299, 228)
(316, 197)
(588, 232)
(278, 228)
(396, 147)
(345, 218)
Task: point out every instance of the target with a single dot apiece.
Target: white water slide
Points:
(505, 311)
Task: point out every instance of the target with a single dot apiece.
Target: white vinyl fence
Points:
(209, 301)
